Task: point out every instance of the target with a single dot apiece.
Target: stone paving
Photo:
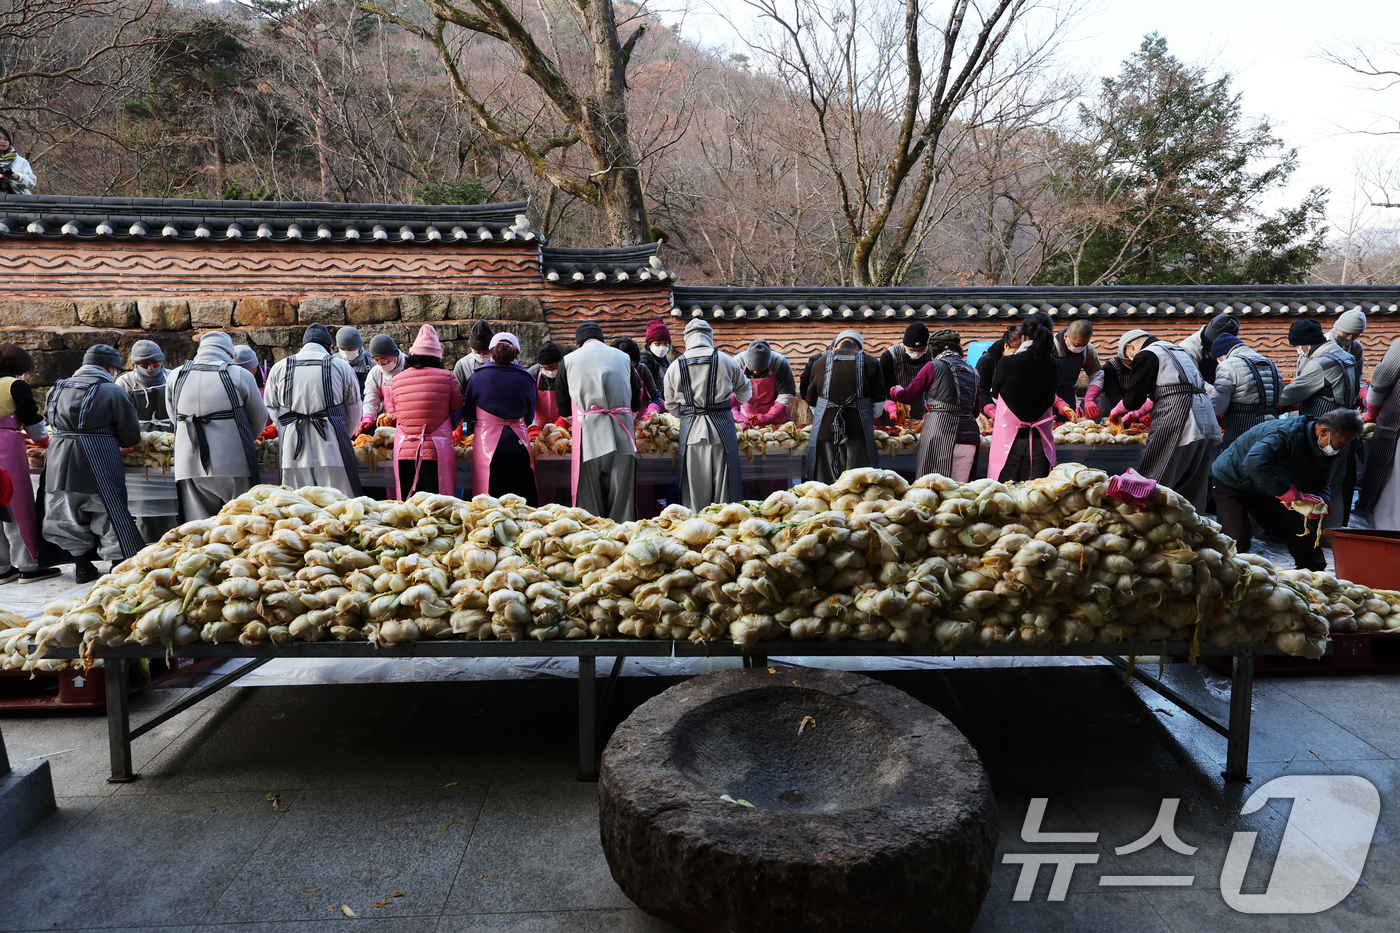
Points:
(463, 797)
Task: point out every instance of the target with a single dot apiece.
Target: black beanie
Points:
(1220, 324)
(549, 353)
(916, 335)
(480, 337)
(317, 333)
(1306, 333)
(587, 331)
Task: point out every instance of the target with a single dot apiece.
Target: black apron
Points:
(195, 424)
(104, 457)
(940, 432)
(905, 372)
(328, 418)
(721, 419)
(1071, 365)
(858, 402)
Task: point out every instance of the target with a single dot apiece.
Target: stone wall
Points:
(58, 332)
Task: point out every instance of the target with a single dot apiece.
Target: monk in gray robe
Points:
(699, 386)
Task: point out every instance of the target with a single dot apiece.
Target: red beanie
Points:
(657, 332)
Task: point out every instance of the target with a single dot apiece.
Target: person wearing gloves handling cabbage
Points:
(314, 397)
(1329, 379)
(597, 390)
(699, 386)
(773, 387)
(1166, 383)
(844, 387)
(218, 412)
(947, 387)
(389, 360)
(1278, 473)
(145, 383)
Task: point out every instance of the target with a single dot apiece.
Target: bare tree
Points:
(888, 87)
(1378, 65)
(591, 103)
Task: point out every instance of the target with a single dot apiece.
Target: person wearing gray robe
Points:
(1380, 488)
(1184, 432)
(145, 383)
(218, 411)
(598, 389)
(698, 388)
(90, 419)
(1330, 379)
(315, 399)
(479, 345)
(1247, 386)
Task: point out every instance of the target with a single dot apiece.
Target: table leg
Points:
(118, 678)
(1241, 697)
(587, 718)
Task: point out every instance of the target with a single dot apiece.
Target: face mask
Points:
(915, 352)
(349, 356)
(1329, 451)
(550, 371)
(659, 349)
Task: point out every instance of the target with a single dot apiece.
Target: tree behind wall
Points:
(1163, 181)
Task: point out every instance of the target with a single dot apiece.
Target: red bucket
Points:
(1368, 557)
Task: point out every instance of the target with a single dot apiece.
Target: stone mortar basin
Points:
(869, 810)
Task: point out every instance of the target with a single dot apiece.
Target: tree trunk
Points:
(606, 134)
(318, 119)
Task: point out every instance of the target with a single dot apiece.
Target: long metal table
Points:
(121, 733)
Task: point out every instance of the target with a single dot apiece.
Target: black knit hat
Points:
(549, 353)
(480, 337)
(1306, 333)
(587, 331)
(317, 333)
(916, 335)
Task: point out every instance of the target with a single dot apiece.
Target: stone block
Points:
(32, 338)
(37, 312)
(521, 309)
(325, 310)
(178, 346)
(26, 797)
(400, 334)
(53, 365)
(82, 338)
(264, 312)
(424, 307)
(164, 314)
(270, 336)
(371, 310)
(530, 335)
(446, 331)
(460, 307)
(118, 312)
(486, 307)
(213, 313)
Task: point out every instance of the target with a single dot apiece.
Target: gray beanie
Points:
(758, 356)
(217, 339)
(383, 345)
(245, 357)
(849, 335)
(348, 338)
(1220, 324)
(1130, 337)
(317, 333)
(102, 355)
(1351, 322)
(146, 351)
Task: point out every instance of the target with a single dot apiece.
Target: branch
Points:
(631, 43)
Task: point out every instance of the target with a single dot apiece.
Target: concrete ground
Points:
(454, 806)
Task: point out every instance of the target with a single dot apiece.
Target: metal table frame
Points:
(121, 733)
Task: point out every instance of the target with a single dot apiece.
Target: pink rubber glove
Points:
(1118, 412)
(1062, 407)
(1091, 403)
(367, 426)
(892, 410)
(1290, 497)
(990, 411)
(777, 414)
(1372, 413)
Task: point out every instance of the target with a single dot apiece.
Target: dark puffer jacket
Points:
(1270, 457)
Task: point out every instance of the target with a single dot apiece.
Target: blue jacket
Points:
(1270, 457)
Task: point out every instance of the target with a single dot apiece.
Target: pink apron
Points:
(16, 461)
(576, 423)
(765, 393)
(546, 406)
(441, 439)
(1004, 429)
(488, 435)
